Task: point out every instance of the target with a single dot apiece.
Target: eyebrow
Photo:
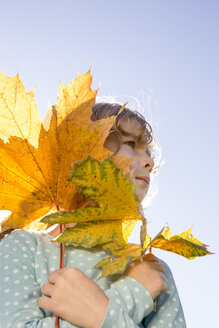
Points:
(127, 134)
(137, 137)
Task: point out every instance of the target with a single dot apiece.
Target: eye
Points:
(130, 143)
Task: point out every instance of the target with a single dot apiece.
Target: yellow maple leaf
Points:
(183, 244)
(108, 234)
(113, 221)
(118, 261)
(36, 157)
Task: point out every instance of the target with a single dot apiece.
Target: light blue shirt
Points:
(28, 257)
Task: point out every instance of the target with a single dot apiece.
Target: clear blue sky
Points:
(166, 50)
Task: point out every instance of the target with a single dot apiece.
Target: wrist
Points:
(99, 314)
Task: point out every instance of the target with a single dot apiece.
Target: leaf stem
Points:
(155, 302)
(62, 259)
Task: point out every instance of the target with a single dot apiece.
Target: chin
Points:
(141, 191)
(141, 195)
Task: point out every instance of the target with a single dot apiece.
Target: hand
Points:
(149, 273)
(73, 296)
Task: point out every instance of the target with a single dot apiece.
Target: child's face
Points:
(131, 145)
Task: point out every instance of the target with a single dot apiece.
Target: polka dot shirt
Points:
(26, 260)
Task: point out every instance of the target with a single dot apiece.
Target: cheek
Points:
(128, 151)
(134, 164)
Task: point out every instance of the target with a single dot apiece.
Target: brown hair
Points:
(105, 109)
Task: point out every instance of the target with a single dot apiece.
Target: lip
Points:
(144, 179)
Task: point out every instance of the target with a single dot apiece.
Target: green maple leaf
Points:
(118, 211)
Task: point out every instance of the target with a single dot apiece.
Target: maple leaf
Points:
(107, 234)
(36, 157)
(113, 221)
(183, 244)
(119, 260)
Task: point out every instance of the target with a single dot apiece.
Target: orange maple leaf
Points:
(36, 157)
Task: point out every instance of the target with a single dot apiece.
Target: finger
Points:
(158, 266)
(164, 287)
(47, 289)
(164, 282)
(162, 275)
(70, 273)
(45, 303)
(53, 276)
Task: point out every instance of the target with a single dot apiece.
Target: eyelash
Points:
(132, 142)
(133, 145)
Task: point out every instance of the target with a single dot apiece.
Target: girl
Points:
(33, 291)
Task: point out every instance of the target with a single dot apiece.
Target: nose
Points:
(147, 161)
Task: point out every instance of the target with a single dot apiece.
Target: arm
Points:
(130, 302)
(117, 317)
(169, 309)
(142, 282)
(20, 289)
(132, 297)
(162, 287)
(69, 288)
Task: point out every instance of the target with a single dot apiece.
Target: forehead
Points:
(131, 127)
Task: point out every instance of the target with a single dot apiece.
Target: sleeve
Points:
(169, 311)
(129, 301)
(117, 317)
(19, 288)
